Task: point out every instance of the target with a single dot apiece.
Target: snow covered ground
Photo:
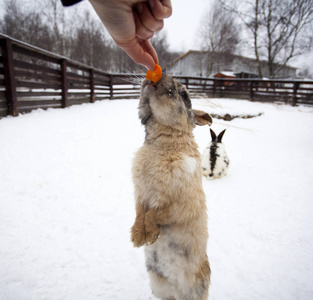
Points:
(67, 205)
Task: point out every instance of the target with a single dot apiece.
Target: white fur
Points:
(221, 165)
(172, 265)
(191, 164)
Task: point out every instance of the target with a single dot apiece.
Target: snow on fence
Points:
(32, 78)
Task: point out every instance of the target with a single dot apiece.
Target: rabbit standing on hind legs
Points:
(171, 213)
(215, 161)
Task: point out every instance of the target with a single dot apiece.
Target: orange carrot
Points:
(155, 75)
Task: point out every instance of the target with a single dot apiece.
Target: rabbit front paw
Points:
(152, 232)
(138, 236)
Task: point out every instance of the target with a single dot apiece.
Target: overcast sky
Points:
(183, 25)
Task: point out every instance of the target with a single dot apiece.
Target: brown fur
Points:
(170, 202)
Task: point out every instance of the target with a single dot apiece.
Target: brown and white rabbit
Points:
(215, 161)
(171, 212)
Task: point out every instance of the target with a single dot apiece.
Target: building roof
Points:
(226, 73)
(204, 63)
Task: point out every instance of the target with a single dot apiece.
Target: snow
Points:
(67, 203)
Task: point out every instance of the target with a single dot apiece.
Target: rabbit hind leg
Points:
(160, 287)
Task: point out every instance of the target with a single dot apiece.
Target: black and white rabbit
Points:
(215, 161)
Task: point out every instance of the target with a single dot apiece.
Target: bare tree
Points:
(219, 33)
(24, 25)
(90, 44)
(276, 27)
(284, 21)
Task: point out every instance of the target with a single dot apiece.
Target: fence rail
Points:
(32, 78)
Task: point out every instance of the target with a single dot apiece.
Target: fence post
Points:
(92, 86)
(251, 90)
(294, 97)
(187, 83)
(64, 83)
(214, 87)
(111, 87)
(9, 78)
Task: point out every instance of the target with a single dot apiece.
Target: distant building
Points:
(225, 74)
(203, 63)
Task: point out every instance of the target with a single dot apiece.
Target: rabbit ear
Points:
(220, 136)
(202, 118)
(213, 135)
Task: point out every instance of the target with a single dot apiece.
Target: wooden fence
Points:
(32, 78)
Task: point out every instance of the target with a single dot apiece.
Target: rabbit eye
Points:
(183, 95)
(185, 99)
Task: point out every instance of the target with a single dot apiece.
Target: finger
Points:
(147, 19)
(149, 49)
(160, 9)
(141, 52)
(141, 31)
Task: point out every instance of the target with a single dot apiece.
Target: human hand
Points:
(132, 23)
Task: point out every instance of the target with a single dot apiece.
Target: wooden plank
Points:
(3, 105)
(126, 97)
(307, 102)
(100, 73)
(75, 101)
(38, 94)
(97, 95)
(77, 66)
(308, 95)
(73, 76)
(35, 76)
(101, 80)
(306, 89)
(3, 95)
(101, 83)
(37, 85)
(77, 83)
(3, 113)
(9, 78)
(111, 87)
(73, 87)
(43, 103)
(102, 93)
(77, 94)
(34, 54)
(64, 83)
(98, 98)
(28, 66)
(120, 80)
(127, 93)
